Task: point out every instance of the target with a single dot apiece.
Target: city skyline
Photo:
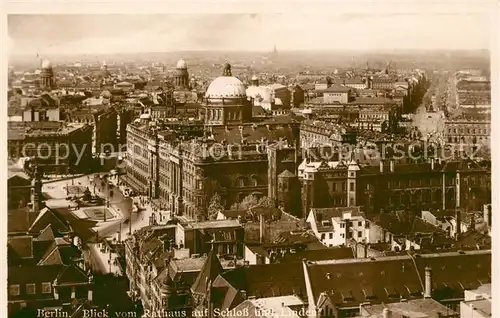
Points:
(108, 34)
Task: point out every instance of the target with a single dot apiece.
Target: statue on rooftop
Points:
(227, 69)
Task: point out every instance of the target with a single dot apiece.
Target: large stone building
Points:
(468, 131)
(454, 184)
(181, 167)
(55, 146)
(104, 123)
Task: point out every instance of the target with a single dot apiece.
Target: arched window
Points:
(241, 182)
(255, 180)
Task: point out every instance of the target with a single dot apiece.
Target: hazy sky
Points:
(102, 34)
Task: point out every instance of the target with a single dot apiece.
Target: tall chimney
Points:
(428, 283)
(458, 220)
(261, 232)
(381, 164)
(386, 313)
(392, 165)
(443, 191)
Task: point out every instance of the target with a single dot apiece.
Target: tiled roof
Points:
(412, 308)
(257, 133)
(400, 223)
(286, 174)
(324, 214)
(51, 257)
(452, 273)
(337, 89)
(372, 101)
(22, 246)
(33, 274)
(269, 280)
(20, 220)
(210, 270)
(317, 255)
(351, 282)
(46, 234)
(216, 224)
(48, 216)
(72, 274)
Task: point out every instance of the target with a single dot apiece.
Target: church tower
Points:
(181, 76)
(289, 193)
(352, 170)
(47, 76)
(307, 191)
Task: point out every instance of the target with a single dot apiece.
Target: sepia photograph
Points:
(299, 164)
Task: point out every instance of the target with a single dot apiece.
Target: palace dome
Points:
(226, 87)
(181, 64)
(46, 64)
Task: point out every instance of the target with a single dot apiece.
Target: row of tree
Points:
(415, 96)
(246, 206)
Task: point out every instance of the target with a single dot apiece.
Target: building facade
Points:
(182, 167)
(56, 147)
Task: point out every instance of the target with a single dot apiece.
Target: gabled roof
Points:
(324, 214)
(48, 216)
(286, 174)
(18, 178)
(72, 274)
(210, 270)
(46, 234)
(51, 257)
(22, 246)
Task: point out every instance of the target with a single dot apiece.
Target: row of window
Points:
(15, 290)
(468, 131)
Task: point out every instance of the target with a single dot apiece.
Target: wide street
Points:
(123, 222)
(429, 118)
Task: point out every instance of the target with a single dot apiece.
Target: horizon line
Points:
(388, 50)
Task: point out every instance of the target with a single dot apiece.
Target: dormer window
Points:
(391, 292)
(347, 296)
(326, 223)
(369, 294)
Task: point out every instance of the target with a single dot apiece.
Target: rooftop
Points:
(215, 224)
(416, 308)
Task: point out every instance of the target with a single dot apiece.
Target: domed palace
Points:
(46, 76)
(225, 101)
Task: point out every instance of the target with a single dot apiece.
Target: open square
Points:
(75, 189)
